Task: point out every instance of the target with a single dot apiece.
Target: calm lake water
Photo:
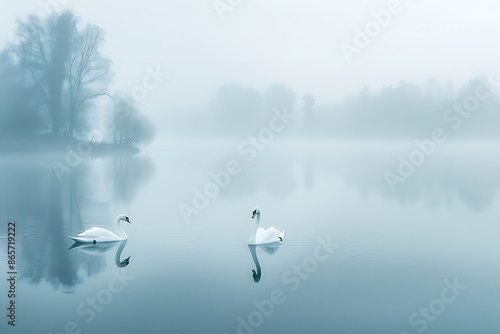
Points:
(357, 257)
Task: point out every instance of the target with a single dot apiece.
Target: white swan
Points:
(98, 234)
(261, 236)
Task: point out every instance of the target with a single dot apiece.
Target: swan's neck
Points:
(121, 232)
(254, 232)
(253, 251)
(119, 263)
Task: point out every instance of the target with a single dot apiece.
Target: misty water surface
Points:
(391, 251)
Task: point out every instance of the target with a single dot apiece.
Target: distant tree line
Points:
(405, 110)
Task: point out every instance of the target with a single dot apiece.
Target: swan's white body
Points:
(99, 234)
(261, 236)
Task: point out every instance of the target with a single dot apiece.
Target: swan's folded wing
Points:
(94, 232)
(270, 235)
(273, 232)
(98, 233)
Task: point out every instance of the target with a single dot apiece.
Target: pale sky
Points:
(290, 41)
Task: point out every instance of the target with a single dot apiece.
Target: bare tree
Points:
(131, 127)
(42, 48)
(88, 73)
(64, 63)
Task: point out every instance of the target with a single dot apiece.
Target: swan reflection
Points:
(269, 249)
(102, 248)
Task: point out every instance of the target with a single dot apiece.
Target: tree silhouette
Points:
(63, 63)
(308, 119)
(19, 104)
(280, 97)
(88, 73)
(42, 48)
(131, 127)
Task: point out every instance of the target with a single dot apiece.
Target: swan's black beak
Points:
(127, 220)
